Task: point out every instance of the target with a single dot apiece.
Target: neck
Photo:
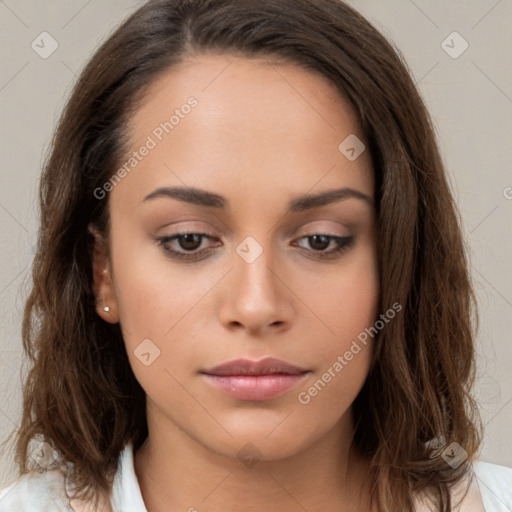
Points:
(176, 472)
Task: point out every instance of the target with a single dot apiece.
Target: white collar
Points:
(126, 494)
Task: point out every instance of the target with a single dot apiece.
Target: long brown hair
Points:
(81, 395)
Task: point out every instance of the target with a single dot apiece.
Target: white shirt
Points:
(490, 491)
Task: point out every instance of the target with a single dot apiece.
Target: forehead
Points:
(255, 124)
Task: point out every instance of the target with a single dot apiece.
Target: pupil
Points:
(324, 241)
(190, 241)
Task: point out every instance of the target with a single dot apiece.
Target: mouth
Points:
(255, 380)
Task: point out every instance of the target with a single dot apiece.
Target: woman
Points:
(250, 285)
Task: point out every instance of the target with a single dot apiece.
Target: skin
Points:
(261, 135)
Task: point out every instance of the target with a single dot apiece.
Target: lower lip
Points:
(255, 387)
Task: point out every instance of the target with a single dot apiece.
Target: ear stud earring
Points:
(106, 308)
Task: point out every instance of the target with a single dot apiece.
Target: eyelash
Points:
(344, 243)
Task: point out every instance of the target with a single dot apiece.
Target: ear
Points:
(102, 279)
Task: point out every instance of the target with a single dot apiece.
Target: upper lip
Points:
(265, 366)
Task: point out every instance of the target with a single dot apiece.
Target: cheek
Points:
(152, 293)
(153, 302)
(347, 300)
(161, 311)
(156, 327)
(348, 308)
(343, 357)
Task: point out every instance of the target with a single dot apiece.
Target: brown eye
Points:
(319, 242)
(187, 245)
(189, 242)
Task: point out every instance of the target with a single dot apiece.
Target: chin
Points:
(252, 444)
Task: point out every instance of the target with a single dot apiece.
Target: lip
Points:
(265, 366)
(255, 380)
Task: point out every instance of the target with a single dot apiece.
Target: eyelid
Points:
(335, 231)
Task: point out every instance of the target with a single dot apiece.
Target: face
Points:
(249, 270)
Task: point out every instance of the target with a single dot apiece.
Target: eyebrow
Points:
(306, 202)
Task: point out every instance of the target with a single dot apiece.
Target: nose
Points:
(255, 296)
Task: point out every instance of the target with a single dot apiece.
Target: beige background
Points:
(470, 98)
